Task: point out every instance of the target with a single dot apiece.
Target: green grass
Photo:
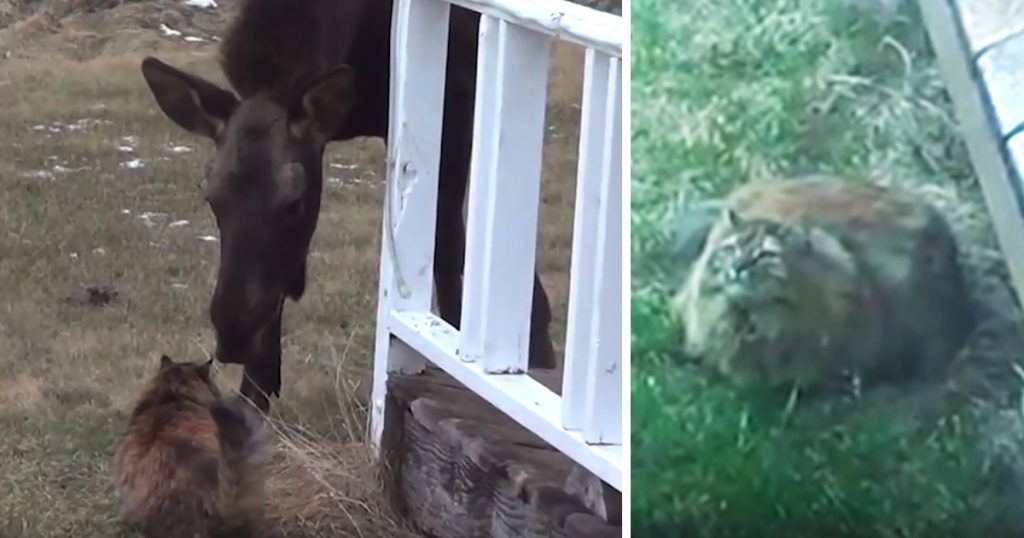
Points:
(725, 91)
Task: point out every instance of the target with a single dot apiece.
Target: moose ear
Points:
(165, 362)
(195, 104)
(324, 104)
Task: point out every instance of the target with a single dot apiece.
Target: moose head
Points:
(263, 186)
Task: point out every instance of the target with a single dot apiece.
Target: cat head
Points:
(752, 260)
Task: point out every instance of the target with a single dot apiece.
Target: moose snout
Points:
(238, 342)
(238, 324)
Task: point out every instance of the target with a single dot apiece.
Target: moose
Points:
(306, 73)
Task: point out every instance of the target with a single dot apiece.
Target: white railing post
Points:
(484, 114)
(419, 56)
(490, 354)
(603, 423)
(504, 196)
(594, 126)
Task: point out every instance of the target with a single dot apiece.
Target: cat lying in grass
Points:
(818, 281)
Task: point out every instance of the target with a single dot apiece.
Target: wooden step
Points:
(458, 467)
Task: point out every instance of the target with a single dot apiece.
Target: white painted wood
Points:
(504, 197)
(502, 222)
(520, 397)
(559, 18)
(420, 43)
(604, 417)
(984, 144)
(582, 284)
(471, 331)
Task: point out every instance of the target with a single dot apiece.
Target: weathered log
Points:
(458, 467)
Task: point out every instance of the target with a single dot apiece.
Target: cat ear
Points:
(732, 219)
(204, 369)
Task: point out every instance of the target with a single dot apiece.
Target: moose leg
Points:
(542, 352)
(251, 390)
(261, 378)
(456, 150)
(450, 248)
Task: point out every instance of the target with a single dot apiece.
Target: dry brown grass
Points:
(74, 214)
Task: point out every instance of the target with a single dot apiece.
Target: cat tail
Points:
(240, 427)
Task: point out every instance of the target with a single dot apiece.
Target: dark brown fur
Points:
(309, 72)
(187, 466)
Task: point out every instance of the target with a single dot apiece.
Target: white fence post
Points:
(604, 414)
(504, 195)
(485, 113)
(419, 56)
(594, 126)
(489, 355)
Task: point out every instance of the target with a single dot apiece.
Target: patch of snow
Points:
(74, 255)
(133, 164)
(344, 166)
(167, 30)
(194, 39)
(178, 285)
(202, 4)
(85, 123)
(150, 218)
(126, 211)
(100, 251)
(208, 238)
(347, 182)
(38, 174)
(125, 149)
(178, 224)
(179, 149)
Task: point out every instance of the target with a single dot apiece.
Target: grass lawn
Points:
(725, 91)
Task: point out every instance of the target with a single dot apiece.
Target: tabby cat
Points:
(821, 280)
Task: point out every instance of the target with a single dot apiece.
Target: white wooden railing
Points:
(489, 354)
